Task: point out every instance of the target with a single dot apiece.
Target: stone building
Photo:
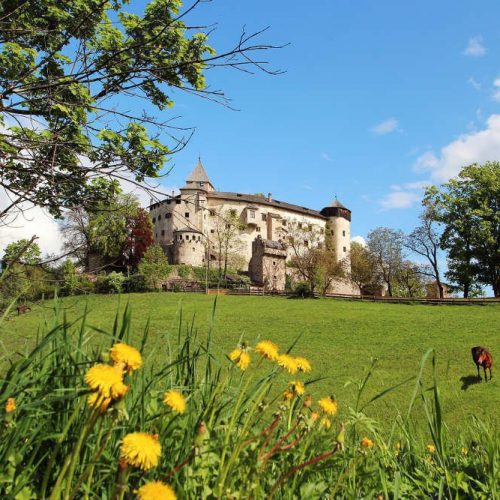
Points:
(267, 266)
(187, 225)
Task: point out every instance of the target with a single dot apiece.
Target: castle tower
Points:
(194, 198)
(189, 247)
(339, 222)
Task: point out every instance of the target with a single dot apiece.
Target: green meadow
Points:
(340, 338)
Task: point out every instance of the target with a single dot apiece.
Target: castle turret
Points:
(189, 247)
(339, 222)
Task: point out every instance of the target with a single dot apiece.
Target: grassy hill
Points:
(338, 337)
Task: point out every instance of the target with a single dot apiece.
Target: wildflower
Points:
(303, 365)
(141, 450)
(156, 490)
(288, 394)
(241, 358)
(297, 387)
(328, 405)
(288, 363)
(325, 422)
(366, 443)
(95, 399)
(10, 405)
(107, 380)
(430, 448)
(314, 416)
(267, 349)
(465, 451)
(126, 356)
(175, 400)
(308, 401)
(398, 448)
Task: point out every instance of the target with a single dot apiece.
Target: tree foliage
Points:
(363, 269)
(64, 66)
(23, 252)
(154, 267)
(468, 206)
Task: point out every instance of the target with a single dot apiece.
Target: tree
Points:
(424, 241)
(363, 269)
(468, 206)
(409, 280)
(23, 252)
(139, 237)
(154, 267)
(386, 247)
(63, 68)
(226, 240)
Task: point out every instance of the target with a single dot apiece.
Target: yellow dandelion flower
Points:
(156, 490)
(107, 380)
(303, 365)
(325, 422)
(175, 400)
(10, 405)
(430, 448)
(126, 356)
(366, 443)
(267, 349)
(465, 451)
(241, 358)
(314, 416)
(297, 387)
(141, 450)
(328, 405)
(288, 394)
(288, 363)
(97, 399)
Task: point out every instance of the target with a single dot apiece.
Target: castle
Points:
(188, 227)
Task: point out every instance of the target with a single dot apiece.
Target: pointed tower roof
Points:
(199, 178)
(336, 209)
(336, 204)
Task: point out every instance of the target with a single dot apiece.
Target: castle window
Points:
(257, 229)
(300, 225)
(274, 262)
(264, 217)
(186, 214)
(156, 235)
(168, 202)
(194, 249)
(212, 231)
(154, 220)
(159, 217)
(178, 202)
(201, 185)
(310, 227)
(306, 243)
(212, 213)
(345, 249)
(163, 232)
(168, 216)
(343, 234)
(252, 214)
(283, 222)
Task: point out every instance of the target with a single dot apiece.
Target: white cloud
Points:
(359, 239)
(385, 127)
(496, 91)
(326, 157)
(475, 47)
(474, 83)
(474, 147)
(399, 199)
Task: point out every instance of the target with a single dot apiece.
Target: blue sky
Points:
(378, 98)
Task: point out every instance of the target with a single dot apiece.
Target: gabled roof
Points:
(198, 174)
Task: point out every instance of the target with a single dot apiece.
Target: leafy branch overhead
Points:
(74, 79)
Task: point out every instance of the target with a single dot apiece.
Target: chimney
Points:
(270, 197)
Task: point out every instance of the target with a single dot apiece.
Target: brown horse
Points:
(482, 358)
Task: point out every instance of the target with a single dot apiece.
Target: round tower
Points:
(339, 226)
(189, 247)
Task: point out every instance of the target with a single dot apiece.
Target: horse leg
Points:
(478, 374)
(485, 376)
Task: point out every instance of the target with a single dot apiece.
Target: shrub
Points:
(110, 283)
(154, 267)
(183, 271)
(137, 283)
(302, 289)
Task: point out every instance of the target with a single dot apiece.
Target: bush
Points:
(154, 267)
(110, 283)
(183, 271)
(137, 283)
(302, 289)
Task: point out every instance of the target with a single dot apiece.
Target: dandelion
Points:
(325, 422)
(107, 380)
(366, 443)
(288, 363)
(303, 365)
(430, 448)
(465, 451)
(241, 358)
(156, 490)
(126, 356)
(398, 448)
(95, 399)
(10, 405)
(328, 405)
(288, 394)
(141, 450)
(267, 349)
(314, 416)
(297, 387)
(175, 400)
